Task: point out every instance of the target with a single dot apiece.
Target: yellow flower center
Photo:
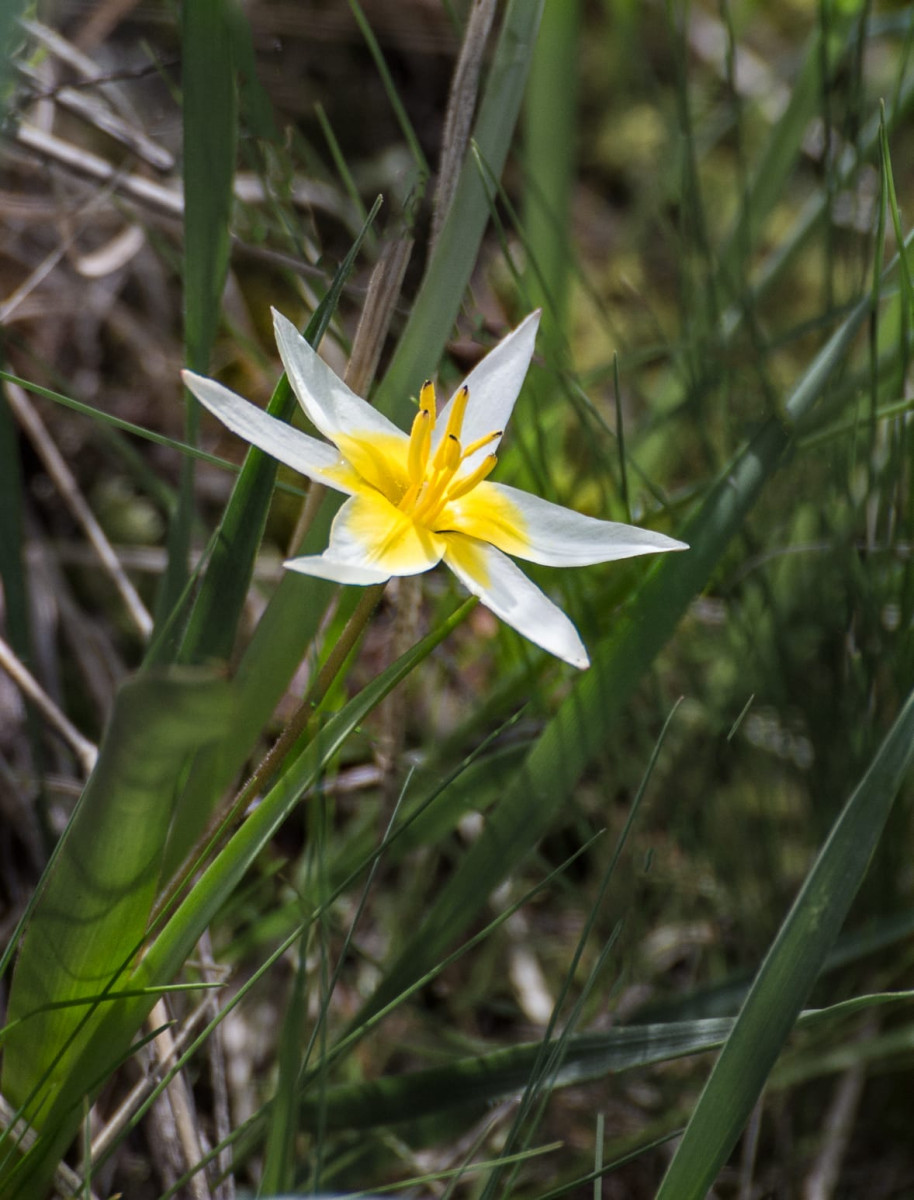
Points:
(433, 481)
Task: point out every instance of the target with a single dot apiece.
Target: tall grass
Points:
(475, 924)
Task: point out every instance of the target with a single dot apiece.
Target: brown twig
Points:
(68, 488)
(460, 108)
(85, 751)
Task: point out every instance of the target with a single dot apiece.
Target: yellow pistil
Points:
(431, 485)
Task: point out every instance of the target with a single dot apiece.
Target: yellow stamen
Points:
(410, 496)
(453, 428)
(462, 486)
(429, 502)
(452, 453)
(433, 498)
(457, 413)
(431, 477)
(427, 396)
(420, 440)
(483, 441)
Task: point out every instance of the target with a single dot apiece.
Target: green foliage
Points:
(209, 117)
(469, 902)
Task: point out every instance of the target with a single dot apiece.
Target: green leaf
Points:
(214, 620)
(279, 1153)
(210, 117)
(256, 108)
(115, 1025)
(96, 894)
(288, 625)
(578, 732)
(437, 304)
(483, 1079)
(789, 970)
(11, 46)
(210, 120)
(550, 123)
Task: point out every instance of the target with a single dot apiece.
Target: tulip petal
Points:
(370, 535)
(324, 567)
(537, 530)
(507, 592)
(330, 405)
(494, 385)
(317, 460)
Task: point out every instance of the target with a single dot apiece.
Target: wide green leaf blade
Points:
(96, 894)
(116, 1026)
(287, 627)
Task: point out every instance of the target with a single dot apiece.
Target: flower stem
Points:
(346, 642)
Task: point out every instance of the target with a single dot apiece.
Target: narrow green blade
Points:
(789, 970)
(441, 294)
(484, 1079)
(550, 123)
(210, 120)
(578, 732)
(214, 620)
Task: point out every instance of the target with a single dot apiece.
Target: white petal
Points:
(494, 386)
(325, 567)
(315, 459)
(330, 405)
(506, 591)
(537, 530)
(372, 538)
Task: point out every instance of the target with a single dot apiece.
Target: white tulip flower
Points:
(419, 498)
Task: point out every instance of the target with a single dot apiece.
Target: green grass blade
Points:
(171, 946)
(550, 124)
(210, 121)
(578, 732)
(286, 629)
(483, 1079)
(112, 1033)
(790, 969)
(406, 128)
(444, 284)
(279, 1153)
(117, 423)
(11, 47)
(486, 1078)
(97, 892)
(907, 288)
(214, 620)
